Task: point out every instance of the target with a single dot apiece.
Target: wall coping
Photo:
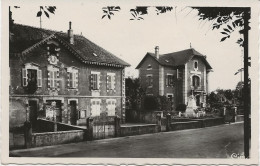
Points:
(207, 119)
(184, 122)
(138, 125)
(57, 132)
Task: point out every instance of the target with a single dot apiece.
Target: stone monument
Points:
(191, 107)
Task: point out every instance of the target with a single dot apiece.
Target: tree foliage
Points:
(46, 10)
(109, 11)
(134, 92)
(229, 18)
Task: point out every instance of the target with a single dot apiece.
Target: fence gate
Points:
(103, 127)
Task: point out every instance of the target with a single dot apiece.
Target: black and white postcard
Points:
(130, 82)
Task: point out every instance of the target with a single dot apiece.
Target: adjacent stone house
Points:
(176, 75)
(51, 69)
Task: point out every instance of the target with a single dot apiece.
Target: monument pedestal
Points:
(191, 107)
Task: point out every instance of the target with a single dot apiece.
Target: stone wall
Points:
(138, 129)
(55, 138)
(143, 117)
(210, 121)
(185, 125)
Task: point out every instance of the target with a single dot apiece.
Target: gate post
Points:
(90, 129)
(117, 126)
(159, 121)
(27, 134)
(168, 122)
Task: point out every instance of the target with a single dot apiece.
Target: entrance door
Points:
(198, 100)
(73, 113)
(57, 109)
(33, 111)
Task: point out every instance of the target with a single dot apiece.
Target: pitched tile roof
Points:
(27, 38)
(176, 58)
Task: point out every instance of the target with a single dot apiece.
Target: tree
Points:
(228, 94)
(134, 92)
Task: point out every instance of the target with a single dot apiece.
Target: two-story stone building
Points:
(62, 70)
(176, 75)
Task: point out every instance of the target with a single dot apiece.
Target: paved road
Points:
(211, 142)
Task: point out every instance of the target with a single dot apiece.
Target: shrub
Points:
(150, 103)
(181, 108)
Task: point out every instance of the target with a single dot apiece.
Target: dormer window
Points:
(149, 67)
(195, 65)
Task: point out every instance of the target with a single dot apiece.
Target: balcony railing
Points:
(198, 88)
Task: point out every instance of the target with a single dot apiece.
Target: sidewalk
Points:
(147, 145)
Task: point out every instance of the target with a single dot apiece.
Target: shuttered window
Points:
(169, 80)
(70, 79)
(39, 78)
(149, 79)
(72, 74)
(195, 81)
(31, 74)
(179, 73)
(111, 81)
(95, 81)
(111, 107)
(95, 107)
(52, 84)
(24, 75)
(53, 79)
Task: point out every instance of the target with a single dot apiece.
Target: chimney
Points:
(157, 52)
(70, 34)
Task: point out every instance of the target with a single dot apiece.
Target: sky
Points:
(131, 39)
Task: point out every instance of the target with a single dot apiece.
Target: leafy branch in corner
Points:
(138, 12)
(46, 10)
(230, 17)
(109, 11)
(163, 9)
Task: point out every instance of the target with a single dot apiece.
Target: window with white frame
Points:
(72, 73)
(53, 76)
(169, 80)
(83, 114)
(31, 74)
(170, 96)
(111, 107)
(179, 73)
(149, 80)
(195, 65)
(94, 80)
(95, 107)
(195, 81)
(111, 81)
(149, 67)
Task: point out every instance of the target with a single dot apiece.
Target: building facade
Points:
(175, 75)
(64, 72)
